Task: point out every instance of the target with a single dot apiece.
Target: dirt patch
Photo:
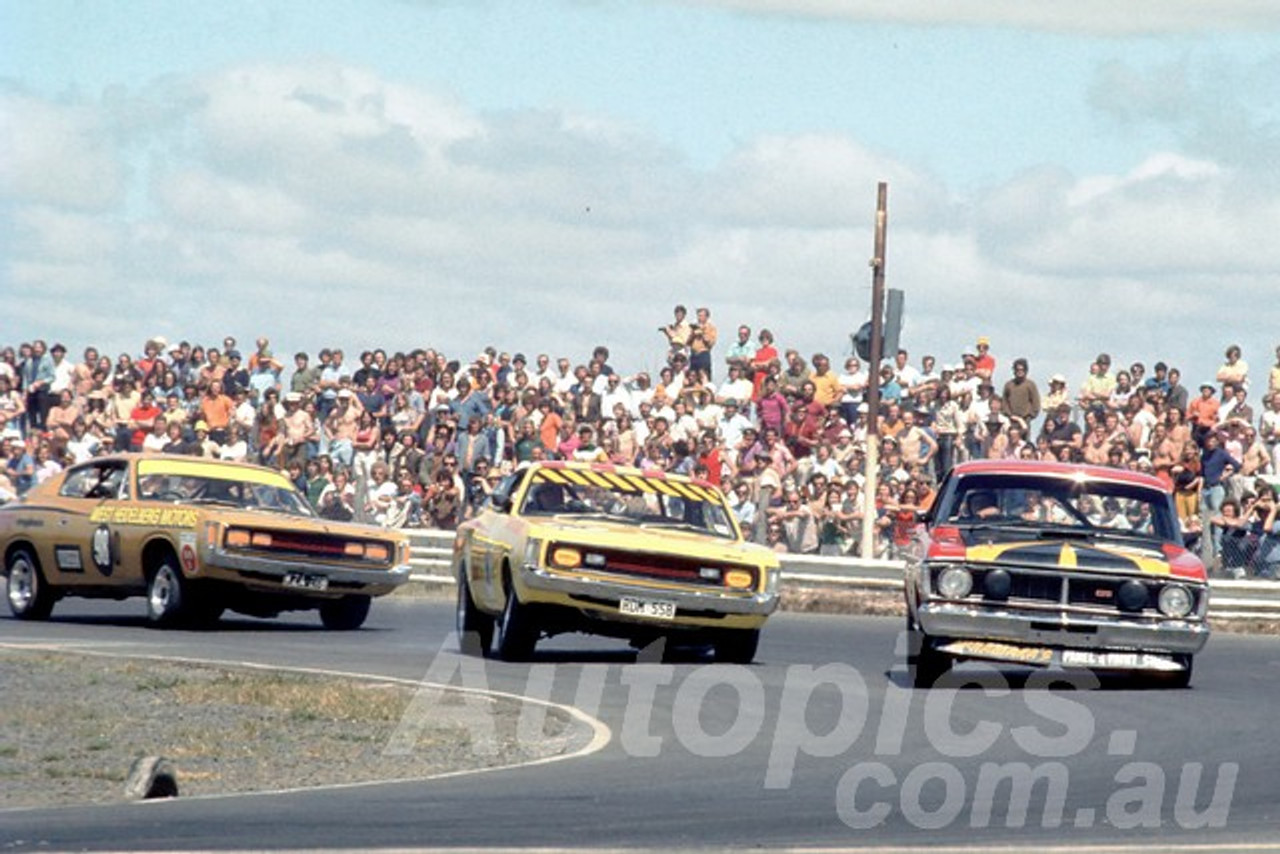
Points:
(73, 726)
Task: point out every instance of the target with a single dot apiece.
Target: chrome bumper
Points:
(1061, 631)
(278, 569)
(539, 580)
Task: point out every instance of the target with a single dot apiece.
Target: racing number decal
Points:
(102, 557)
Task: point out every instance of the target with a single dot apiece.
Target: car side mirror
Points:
(501, 503)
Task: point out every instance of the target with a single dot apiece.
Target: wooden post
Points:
(871, 474)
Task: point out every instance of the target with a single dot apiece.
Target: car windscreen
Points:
(226, 492)
(1073, 504)
(627, 498)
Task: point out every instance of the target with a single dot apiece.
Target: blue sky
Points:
(551, 175)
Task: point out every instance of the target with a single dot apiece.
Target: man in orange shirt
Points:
(216, 409)
(549, 429)
(1202, 413)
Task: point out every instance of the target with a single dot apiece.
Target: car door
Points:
(83, 546)
(499, 533)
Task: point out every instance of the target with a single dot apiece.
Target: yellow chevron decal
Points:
(597, 479)
(574, 477)
(665, 488)
(618, 482)
(1067, 557)
(550, 475)
(641, 484)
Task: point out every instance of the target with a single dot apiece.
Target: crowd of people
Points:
(420, 438)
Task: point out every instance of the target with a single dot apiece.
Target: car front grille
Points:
(664, 567)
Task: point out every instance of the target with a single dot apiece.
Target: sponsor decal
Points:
(187, 553)
(129, 514)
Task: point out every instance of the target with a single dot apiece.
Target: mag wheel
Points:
(30, 597)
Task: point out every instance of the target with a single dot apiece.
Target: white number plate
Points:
(1133, 660)
(656, 609)
(307, 582)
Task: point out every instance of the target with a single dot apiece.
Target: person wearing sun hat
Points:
(985, 364)
(1202, 412)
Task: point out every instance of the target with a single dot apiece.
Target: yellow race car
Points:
(642, 555)
(195, 537)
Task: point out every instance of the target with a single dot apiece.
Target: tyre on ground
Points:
(517, 630)
(475, 628)
(30, 596)
(345, 614)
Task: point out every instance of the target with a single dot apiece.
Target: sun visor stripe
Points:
(618, 481)
(642, 484)
(545, 475)
(597, 479)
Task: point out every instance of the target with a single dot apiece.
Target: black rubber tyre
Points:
(517, 632)
(30, 596)
(166, 595)
(925, 665)
(204, 606)
(346, 614)
(475, 628)
(737, 647)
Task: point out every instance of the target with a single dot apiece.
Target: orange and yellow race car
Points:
(1054, 565)
(195, 537)
(642, 555)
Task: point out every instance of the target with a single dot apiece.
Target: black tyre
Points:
(517, 632)
(737, 647)
(925, 665)
(345, 614)
(475, 628)
(166, 595)
(30, 596)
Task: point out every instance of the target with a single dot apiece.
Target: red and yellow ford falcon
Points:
(1054, 565)
(643, 555)
(195, 537)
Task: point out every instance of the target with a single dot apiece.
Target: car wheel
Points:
(517, 633)
(925, 664)
(475, 628)
(737, 647)
(166, 595)
(204, 607)
(30, 596)
(345, 614)
(1181, 679)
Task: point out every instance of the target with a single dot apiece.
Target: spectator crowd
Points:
(420, 438)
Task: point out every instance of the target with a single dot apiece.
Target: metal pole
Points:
(871, 473)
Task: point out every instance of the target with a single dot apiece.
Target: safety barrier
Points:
(1231, 600)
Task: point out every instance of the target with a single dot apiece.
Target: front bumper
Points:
(547, 587)
(945, 620)
(247, 568)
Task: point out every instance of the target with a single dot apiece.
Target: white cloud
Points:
(56, 154)
(322, 205)
(1101, 17)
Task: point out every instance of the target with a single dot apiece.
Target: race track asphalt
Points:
(821, 743)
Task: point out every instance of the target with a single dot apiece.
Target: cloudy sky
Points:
(1065, 177)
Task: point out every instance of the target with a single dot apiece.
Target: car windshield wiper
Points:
(674, 523)
(605, 514)
(221, 502)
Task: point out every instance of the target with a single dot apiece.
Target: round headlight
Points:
(1132, 596)
(1175, 600)
(997, 584)
(955, 582)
